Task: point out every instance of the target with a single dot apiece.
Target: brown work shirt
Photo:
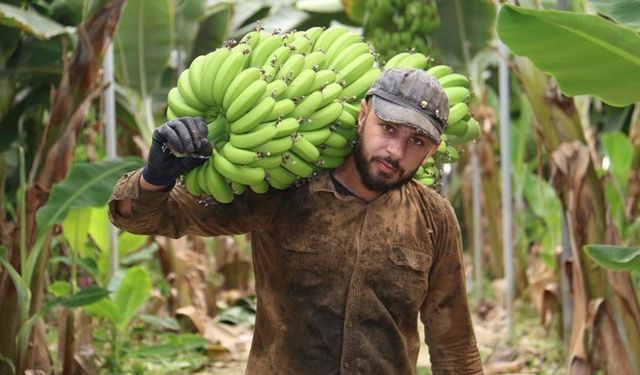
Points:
(340, 282)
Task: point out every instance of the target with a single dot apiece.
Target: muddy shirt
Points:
(340, 282)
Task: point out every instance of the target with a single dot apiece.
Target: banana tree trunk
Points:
(606, 318)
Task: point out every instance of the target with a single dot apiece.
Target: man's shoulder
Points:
(427, 194)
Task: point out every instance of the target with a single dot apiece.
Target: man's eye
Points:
(418, 142)
(387, 128)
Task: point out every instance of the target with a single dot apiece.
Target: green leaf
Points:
(186, 21)
(142, 255)
(76, 228)
(105, 308)
(129, 242)
(626, 12)
(86, 185)
(166, 322)
(470, 22)
(620, 151)
(99, 228)
(59, 288)
(586, 54)
(132, 293)
(142, 44)
(31, 22)
(618, 258)
(212, 31)
(84, 297)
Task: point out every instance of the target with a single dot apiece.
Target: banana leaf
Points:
(188, 14)
(86, 185)
(618, 258)
(133, 292)
(142, 44)
(32, 22)
(586, 54)
(625, 12)
(212, 31)
(467, 22)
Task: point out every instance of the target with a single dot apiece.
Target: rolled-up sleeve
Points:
(445, 311)
(175, 212)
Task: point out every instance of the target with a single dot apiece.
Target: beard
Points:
(380, 182)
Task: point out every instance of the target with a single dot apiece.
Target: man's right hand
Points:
(177, 147)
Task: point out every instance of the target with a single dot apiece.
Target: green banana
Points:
(323, 117)
(254, 116)
(264, 49)
(317, 137)
(275, 88)
(343, 42)
(287, 126)
(275, 146)
(191, 183)
(336, 140)
(454, 80)
(239, 84)
(307, 106)
(260, 188)
(473, 131)
(229, 69)
(324, 78)
(252, 38)
(456, 129)
(301, 44)
(179, 106)
(281, 108)
(212, 65)
(267, 162)
(295, 164)
(457, 95)
(346, 120)
(282, 177)
(305, 149)
(361, 85)
(314, 33)
(254, 138)
(355, 68)
(314, 60)
(217, 130)
(238, 188)
(217, 185)
(241, 174)
(170, 114)
(352, 108)
(328, 37)
(416, 60)
(329, 162)
(248, 99)
(331, 92)
(300, 84)
(349, 134)
(336, 152)
(291, 68)
(278, 57)
(396, 60)
(196, 73)
(348, 55)
(238, 155)
(457, 112)
(439, 71)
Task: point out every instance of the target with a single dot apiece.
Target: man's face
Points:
(387, 155)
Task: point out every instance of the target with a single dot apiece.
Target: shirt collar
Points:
(323, 183)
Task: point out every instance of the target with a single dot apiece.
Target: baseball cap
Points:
(413, 98)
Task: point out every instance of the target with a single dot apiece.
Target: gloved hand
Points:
(177, 147)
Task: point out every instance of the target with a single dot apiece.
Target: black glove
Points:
(177, 147)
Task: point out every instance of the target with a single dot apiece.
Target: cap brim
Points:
(399, 114)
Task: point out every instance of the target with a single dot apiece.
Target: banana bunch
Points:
(394, 26)
(461, 126)
(278, 107)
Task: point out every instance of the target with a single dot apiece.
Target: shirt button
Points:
(347, 365)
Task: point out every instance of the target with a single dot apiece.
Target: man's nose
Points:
(396, 149)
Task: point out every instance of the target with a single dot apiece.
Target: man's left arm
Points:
(445, 311)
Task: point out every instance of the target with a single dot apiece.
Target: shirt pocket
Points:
(413, 259)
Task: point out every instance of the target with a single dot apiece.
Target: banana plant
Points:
(561, 43)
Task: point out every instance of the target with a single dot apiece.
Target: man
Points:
(346, 264)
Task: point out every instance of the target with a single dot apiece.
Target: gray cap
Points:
(413, 98)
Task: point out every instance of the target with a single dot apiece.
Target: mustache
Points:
(388, 160)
